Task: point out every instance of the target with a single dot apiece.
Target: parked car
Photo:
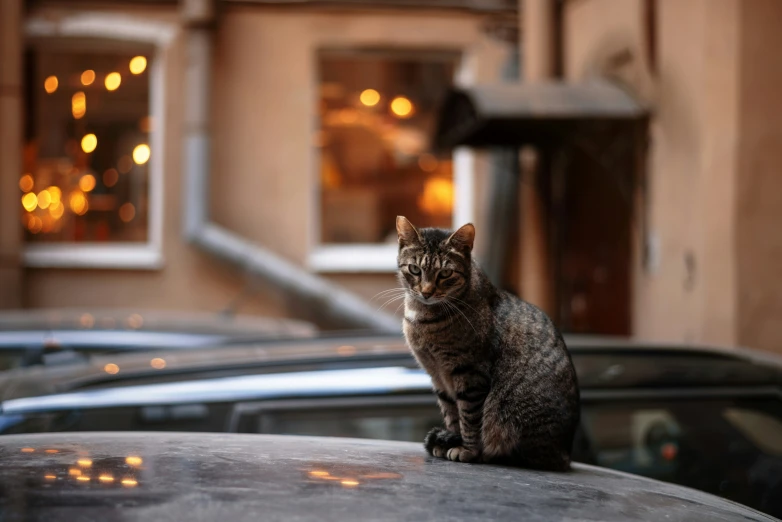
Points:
(32, 337)
(208, 477)
(706, 418)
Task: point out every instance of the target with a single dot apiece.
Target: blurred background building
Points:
(252, 156)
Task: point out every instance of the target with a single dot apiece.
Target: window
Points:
(377, 111)
(90, 189)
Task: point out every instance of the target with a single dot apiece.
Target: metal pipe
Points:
(320, 300)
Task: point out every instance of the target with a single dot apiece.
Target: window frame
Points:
(123, 28)
(381, 257)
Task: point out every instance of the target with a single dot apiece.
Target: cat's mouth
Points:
(434, 299)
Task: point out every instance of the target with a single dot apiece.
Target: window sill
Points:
(117, 256)
(380, 258)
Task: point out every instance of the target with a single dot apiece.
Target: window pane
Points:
(86, 149)
(377, 112)
(404, 423)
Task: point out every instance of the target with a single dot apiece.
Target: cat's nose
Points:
(427, 294)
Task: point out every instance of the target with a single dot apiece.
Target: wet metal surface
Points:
(204, 477)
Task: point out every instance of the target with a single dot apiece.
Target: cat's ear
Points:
(463, 238)
(407, 233)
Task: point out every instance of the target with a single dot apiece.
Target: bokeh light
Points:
(402, 107)
(127, 212)
(50, 84)
(29, 201)
(44, 199)
(113, 80)
(26, 183)
(111, 368)
(78, 105)
(87, 182)
(138, 64)
(87, 77)
(369, 97)
(141, 153)
(89, 143)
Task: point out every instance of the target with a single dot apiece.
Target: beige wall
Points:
(692, 159)
(759, 206)
(264, 164)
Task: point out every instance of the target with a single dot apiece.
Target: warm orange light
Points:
(44, 199)
(87, 182)
(138, 64)
(437, 197)
(106, 478)
(26, 183)
(56, 210)
(135, 321)
(141, 153)
(350, 483)
(346, 350)
(112, 81)
(111, 368)
(402, 107)
(89, 143)
(74, 472)
(318, 473)
(369, 97)
(127, 212)
(52, 451)
(29, 201)
(427, 162)
(110, 177)
(84, 463)
(28, 450)
(55, 193)
(158, 363)
(78, 203)
(87, 77)
(35, 225)
(50, 477)
(50, 84)
(79, 105)
(129, 483)
(132, 460)
(83, 478)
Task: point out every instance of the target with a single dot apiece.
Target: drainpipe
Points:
(10, 152)
(321, 301)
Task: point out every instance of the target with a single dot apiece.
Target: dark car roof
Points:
(205, 477)
(72, 320)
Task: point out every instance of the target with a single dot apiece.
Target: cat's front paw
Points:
(462, 454)
(439, 440)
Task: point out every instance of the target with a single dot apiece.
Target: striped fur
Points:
(501, 372)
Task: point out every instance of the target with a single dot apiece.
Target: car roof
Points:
(204, 477)
(62, 320)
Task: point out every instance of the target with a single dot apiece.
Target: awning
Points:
(519, 114)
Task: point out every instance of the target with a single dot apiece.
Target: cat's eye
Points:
(414, 269)
(445, 274)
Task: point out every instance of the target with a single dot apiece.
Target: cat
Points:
(503, 377)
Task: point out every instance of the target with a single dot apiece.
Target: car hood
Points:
(204, 477)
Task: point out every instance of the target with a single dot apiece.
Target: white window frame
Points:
(147, 255)
(381, 257)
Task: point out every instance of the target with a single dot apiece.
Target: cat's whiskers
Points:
(386, 293)
(393, 299)
(452, 305)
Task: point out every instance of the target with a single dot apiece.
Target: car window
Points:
(730, 448)
(385, 422)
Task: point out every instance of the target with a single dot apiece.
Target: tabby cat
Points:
(502, 374)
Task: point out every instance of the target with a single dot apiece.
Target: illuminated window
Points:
(80, 144)
(377, 112)
(91, 183)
